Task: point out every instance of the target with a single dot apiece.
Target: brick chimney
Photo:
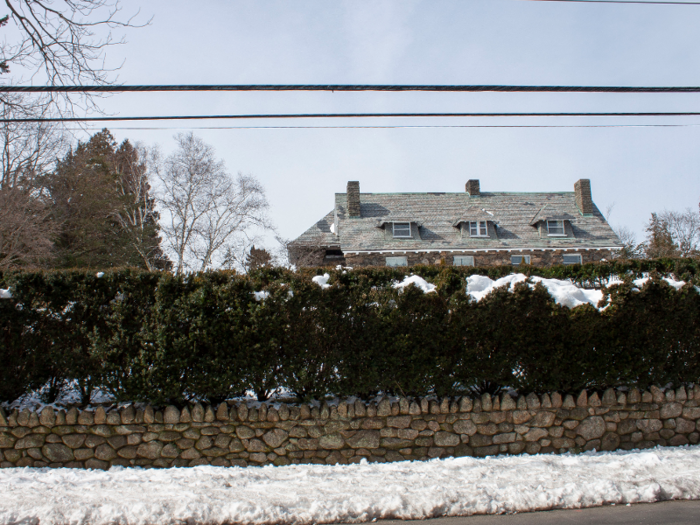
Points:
(582, 188)
(353, 193)
(472, 188)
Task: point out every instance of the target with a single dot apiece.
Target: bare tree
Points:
(207, 212)
(28, 152)
(630, 248)
(62, 42)
(684, 227)
(25, 229)
(29, 149)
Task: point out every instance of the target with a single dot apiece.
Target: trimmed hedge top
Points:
(163, 339)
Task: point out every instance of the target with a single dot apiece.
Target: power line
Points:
(351, 87)
(653, 2)
(348, 115)
(411, 127)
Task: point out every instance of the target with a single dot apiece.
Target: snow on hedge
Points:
(306, 494)
(5, 294)
(564, 293)
(322, 280)
(415, 280)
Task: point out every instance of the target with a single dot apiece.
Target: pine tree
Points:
(659, 241)
(257, 258)
(101, 200)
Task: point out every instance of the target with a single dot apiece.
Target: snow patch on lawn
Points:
(415, 280)
(306, 494)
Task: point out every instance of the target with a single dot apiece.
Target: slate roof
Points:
(439, 214)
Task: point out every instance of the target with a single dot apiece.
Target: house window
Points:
(555, 228)
(463, 260)
(519, 259)
(478, 229)
(572, 258)
(396, 261)
(402, 229)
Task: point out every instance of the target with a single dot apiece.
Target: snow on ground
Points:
(416, 280)
(305, 494)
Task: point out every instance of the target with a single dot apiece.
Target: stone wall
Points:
(542, 258)
(403, 429)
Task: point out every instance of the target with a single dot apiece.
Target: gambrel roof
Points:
(515, 218)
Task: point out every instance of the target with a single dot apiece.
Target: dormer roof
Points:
(474, 213)
(553, 213)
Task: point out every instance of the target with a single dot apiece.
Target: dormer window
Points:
(478, 229)
(402, 230)
(555, 228)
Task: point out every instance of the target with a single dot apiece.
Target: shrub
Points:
(160, 338)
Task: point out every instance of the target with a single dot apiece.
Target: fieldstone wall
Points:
(541, 258)
(403, 429)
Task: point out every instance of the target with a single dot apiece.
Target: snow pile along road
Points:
(301, 494)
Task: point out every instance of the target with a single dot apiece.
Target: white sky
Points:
(638, 169)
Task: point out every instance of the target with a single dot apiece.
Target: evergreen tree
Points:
(101, 200)
(659, 241)
(257, 258)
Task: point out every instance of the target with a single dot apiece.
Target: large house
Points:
(471, 228)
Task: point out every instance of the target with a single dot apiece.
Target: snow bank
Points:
(417, 281)
(564, 293)
(5, 294)
(322, 280)
(305, 494)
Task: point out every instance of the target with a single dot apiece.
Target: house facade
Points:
(470, 228)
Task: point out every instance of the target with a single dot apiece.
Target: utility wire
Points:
(347, 115)
(653, 2)
(349, 87)
(412, 127)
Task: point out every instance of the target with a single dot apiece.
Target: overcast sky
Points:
(637, 169)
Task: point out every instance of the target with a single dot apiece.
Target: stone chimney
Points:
(582, 188)
(353, 194)
(472, 188)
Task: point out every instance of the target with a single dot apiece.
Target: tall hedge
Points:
(162, 338)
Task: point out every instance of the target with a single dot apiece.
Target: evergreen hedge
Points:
(160, 338)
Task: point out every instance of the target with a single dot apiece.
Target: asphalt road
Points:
(663, 513)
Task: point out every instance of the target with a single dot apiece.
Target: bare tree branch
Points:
(684, 227)
(210, 214)
(28, 153)
(63, 42)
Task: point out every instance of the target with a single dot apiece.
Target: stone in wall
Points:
(541, 258)
(235, 434)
